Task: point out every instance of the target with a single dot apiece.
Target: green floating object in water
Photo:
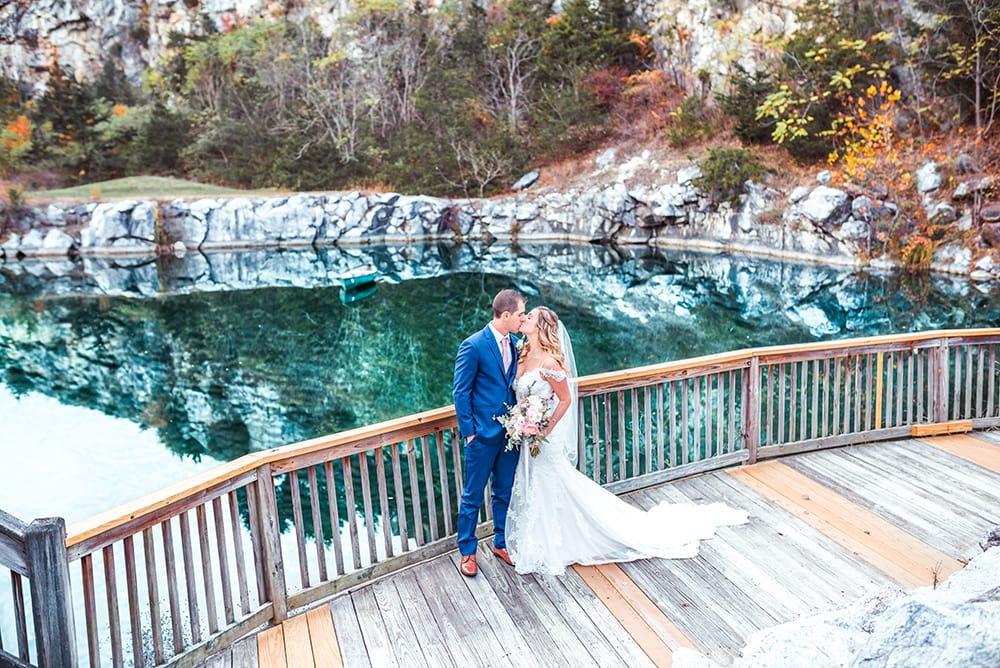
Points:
(358, 277)
(356, 294)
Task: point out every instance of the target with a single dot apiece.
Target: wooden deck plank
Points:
(349, 638)
(603, 620)
(601, 648)
(816, 568)
(556, 643)
(298, 648)
(976, 450)
(471, 635)
(645, 623)
(373, 628)
(271, 648)
(751, 566)
(402, 639)
(323, 638)
(245, 653)
(906, 559)
(925, 504)
(423, 620)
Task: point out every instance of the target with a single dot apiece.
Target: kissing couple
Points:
(548, 515)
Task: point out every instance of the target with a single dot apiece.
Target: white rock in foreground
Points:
(952, 626)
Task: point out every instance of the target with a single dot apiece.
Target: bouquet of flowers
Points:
(525, 421)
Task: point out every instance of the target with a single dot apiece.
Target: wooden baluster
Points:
(622, 445)
(835, 417)
(660, 427)
(173, 595)
(111, 596)
(152, 590)
(968, 385)
(132, 587)
(218, 521)
(397, 477)
(696, 446)
(333, 508)
(383, 499)
(21, 617)
(732, 445)
(814, 433)
(366, 500)
(608, 441)
(206, 566)
(319, 537)
(794, 407)
(674, 448)
(446, 510)
(299, 525)
(636, 458)
(241, 567)
(457, 449)
(956, 380)
(187, 554)
(415, 491)
(991, 376)
(979, 382)
(782, 412)
(90, 613)
(858, 398)
(595, 429)
(685, 410)
(428, 479)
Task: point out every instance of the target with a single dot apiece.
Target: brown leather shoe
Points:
(501, 553)
(468, 566)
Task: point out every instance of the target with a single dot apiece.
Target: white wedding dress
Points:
(558, 516)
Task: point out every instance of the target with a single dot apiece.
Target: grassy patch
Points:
(137, 187)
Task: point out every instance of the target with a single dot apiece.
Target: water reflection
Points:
(226, 353)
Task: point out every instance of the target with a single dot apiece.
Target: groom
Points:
(484, 375)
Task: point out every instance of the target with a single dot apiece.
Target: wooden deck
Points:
(826, 528)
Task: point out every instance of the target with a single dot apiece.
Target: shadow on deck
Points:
(826, 528)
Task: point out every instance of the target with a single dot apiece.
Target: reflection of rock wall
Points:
(172, 343)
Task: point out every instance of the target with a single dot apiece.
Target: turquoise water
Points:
(118, 380)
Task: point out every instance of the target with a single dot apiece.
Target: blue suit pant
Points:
(485, 461)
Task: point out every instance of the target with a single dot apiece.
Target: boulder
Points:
(928, 177)
(527, 180)
(990, 232)
(990, 213)
(825, 206)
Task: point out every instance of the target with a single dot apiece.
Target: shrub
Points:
(726, 170)
(749, 90)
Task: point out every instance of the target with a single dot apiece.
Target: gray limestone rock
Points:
(928, 177)
(527, 180)
(825, 206)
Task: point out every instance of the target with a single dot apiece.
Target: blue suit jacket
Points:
(482, 390)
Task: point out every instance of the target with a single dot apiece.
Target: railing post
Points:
(939, 384)
(51, 605)
(270, 533)
(750, 415)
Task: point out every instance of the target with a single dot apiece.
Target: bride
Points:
(558, 516)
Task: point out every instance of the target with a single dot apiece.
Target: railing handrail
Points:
(384, 433)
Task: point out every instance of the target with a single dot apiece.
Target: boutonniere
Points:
(518, 343)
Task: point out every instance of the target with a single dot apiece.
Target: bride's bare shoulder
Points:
(550, 368)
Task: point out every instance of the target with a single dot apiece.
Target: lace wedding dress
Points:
(558, 516)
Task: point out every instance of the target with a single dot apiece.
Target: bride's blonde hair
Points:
(548, 336)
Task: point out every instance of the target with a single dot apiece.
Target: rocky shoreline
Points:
(818, 223)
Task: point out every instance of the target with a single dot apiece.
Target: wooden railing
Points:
(173, 577)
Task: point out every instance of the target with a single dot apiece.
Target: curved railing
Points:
(173, 577)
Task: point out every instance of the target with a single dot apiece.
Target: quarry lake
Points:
(121, 376)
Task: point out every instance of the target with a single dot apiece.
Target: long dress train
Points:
(558, 516)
